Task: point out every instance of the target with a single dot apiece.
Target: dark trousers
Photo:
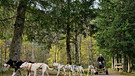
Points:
(101, 66)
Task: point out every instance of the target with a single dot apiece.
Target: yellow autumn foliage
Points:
(58, 52)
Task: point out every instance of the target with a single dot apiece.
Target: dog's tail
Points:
(49, 68)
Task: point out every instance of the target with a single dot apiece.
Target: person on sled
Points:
(100, 61)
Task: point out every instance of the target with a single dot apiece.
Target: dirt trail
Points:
(111, 73)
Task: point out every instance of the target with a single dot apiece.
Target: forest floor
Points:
(111, 73)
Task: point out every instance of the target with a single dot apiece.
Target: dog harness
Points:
(29, 69)
(40, 66)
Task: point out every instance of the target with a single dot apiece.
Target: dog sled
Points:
(102, 69)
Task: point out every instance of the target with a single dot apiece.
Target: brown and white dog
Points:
(36, 66)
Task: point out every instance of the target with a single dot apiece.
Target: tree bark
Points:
(32, 51)
(125, 64)
(76, 49)
(129, 65)
(90, 60)
(80, 49)
(68, 44)
(68, 35)
(15, 48)
(55, 54)
(113, 64)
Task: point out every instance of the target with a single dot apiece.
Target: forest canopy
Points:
(69, 29)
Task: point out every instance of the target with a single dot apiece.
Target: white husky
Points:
(92, 69)
(80, 70)
(58, 67)
(36, 66)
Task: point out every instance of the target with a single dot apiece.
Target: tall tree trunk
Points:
(1, 56)
(6, 45)
(5, 49)
(15, 48)
(76, 49)
(113, 64)
(90, 60)
(68, 35)
(55, 59)
(129, 65)
(125, 64)
(68, 44)
(90, 47)
(32, 51)
(80, 49)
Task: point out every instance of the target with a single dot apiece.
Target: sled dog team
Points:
(34, 67)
